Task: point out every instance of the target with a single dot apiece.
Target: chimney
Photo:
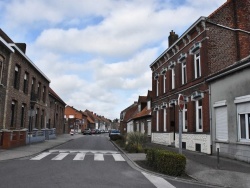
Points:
(21, 46)
(172, 38)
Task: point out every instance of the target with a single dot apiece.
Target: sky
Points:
(97, 52)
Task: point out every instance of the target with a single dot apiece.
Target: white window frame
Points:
(165, 119)
(197, 109)
(157, 120)
(247, 127)
(173, 78)
(197, 60)
(148, 104)
(157, 87)
(184, 114)
(164, 83)
(184, 73)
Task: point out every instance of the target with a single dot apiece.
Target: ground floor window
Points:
(244, 124)
(199, 124)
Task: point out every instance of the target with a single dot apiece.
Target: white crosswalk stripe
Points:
(79, 155)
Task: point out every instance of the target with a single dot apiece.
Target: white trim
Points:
(220, 103)
(7, 45)
(242, 99)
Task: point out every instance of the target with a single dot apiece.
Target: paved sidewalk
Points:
(32, 149)
(203, 168)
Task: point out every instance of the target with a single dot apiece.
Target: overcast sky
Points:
(97, 52)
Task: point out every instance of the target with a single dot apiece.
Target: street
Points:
(89, 161)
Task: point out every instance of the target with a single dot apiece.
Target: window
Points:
(198, 114)
(25, 83)
(197, 65)
(36, 122)
(243, 111)
(42, 120)
(157, 87)
(13, 114)
(157, 120)
(22, 116)
(183, 73)
(149, 105)
(39, 90)
(173, 78)
(184, 122)
(16, 77)
(165, 119)
(164, 83)
(244, 122)
(139, 107)
(44, 93)
(221, 129)
(1, 69)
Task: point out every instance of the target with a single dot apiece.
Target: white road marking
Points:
(98, 157)
(60, 156)
(118, 157)
(40, 156)
(158, 181)
(79, 157)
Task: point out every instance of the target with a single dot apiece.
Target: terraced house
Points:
(208, 46)
(25, 95)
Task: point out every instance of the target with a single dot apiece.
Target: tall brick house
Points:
(26, 87)
(209, 45)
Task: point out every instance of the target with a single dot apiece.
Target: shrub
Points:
(135, 142)
(166, 162)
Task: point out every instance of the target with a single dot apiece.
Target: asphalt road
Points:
(90, 161)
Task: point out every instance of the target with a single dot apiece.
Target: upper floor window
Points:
(25, 83)
(16, 77)
(164, 83)
(183, 73)
(39, 90)
(173, 78)
(149, 105)
(1, 69)
(197, 65)
(198, 114)
(44, 93)
(139, 108)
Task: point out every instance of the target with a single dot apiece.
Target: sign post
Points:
(181, 104)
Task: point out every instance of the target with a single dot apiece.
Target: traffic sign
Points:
(181, 101)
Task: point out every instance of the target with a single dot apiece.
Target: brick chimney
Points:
(21, 46)
(172, 38)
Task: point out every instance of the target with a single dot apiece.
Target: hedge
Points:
(166, 162)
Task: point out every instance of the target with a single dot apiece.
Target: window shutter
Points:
(221, 123)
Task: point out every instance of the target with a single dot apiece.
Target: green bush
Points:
(135, 142)
(166, 162)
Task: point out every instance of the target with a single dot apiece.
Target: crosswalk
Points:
(79, 155)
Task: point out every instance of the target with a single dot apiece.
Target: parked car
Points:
(86, 131)
(114, 134)
(93, 131)
(97, 131)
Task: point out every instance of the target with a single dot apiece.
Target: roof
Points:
(142, 99)
(51, 92)
(149, 95)
(130, 113)
(144, 113)
(218, 9)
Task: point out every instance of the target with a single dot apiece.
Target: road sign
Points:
(181, 101)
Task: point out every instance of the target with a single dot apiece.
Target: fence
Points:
(40, 136)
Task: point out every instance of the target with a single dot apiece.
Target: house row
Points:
(80, 120)
(27, 102)
(209, 66)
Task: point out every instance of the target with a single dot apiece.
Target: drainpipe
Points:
(210, 120)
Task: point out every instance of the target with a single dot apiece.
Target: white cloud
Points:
(98, 57)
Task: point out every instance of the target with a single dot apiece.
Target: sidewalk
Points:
(32, 149)
(203, 168)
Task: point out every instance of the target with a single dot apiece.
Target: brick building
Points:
(56, 113)
(209, 45)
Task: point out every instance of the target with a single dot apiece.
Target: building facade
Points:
(208, 46)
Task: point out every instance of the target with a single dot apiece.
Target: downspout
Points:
(210, 120)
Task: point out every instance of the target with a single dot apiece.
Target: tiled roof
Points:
(145, 112)
(130, 113)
